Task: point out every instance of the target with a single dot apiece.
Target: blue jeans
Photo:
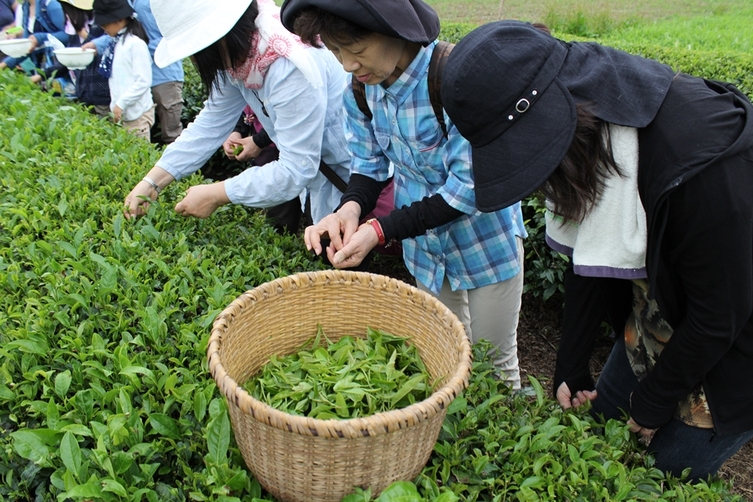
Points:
(675, 446)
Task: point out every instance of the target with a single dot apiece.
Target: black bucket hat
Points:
(109, 11)
(511, 90)
(411, 20)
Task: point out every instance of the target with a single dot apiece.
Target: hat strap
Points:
(527, 99)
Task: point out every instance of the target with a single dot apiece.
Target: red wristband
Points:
(378, 229)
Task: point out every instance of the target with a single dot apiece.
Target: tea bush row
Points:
(104, 321)
(104, 392)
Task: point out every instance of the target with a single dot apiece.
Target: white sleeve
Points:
(297, 112)
(205, 134)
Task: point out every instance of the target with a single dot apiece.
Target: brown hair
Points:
(579, 180)
(313, 22)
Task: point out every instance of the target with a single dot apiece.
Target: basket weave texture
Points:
(303, 459)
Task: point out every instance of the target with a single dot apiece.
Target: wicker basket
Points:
(305, 459)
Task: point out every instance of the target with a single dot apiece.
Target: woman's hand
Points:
(338, 227)
(358, 246)
(245, 147)
(202, 200)
(117, 114)
(230, 143)
(644, 435)
(137, 202)
(566, 400)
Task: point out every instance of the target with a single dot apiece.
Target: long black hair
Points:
(579, 180)
(79, 18)
(227, 53)
(134, 27)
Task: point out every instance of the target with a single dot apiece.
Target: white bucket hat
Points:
(189, 26)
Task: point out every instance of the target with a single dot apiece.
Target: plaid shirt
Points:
(474, 250)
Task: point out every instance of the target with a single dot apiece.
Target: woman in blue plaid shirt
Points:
(471, 261)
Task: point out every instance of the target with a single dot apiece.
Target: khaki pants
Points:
(168, 99)
(101, 110)
(491, 313)
(142, 125)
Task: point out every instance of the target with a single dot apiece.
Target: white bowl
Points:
(15, 48)
(75, 58)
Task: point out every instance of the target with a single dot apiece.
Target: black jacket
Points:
(696, 184)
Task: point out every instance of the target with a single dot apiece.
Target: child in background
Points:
(127, 65)
(56, 77)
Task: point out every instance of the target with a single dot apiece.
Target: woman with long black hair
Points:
(244, 56)
(648, 176)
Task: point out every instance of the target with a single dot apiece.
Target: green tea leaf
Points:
(400, 491)
(30, 446)
(62, 383)
(70, 453)
(218, 439)
(112, 486)
(164, 425)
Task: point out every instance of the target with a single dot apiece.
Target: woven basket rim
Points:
(371, 425)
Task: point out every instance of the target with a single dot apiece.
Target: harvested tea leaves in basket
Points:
(353, 377)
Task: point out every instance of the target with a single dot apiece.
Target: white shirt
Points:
(131, 78)
(304, 123)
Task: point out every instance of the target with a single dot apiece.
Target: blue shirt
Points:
(50, 19)
(7, 14)
(474, 250)
(306, 124)
(171, 73)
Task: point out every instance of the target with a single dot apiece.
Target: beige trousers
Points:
(168, 100)
(142, 126)
(491, 313)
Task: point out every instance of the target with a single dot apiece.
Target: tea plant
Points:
(104, 321)
(498, 445)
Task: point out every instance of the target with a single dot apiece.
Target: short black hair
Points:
(312, 23)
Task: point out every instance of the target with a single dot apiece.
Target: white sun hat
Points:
(189, 26)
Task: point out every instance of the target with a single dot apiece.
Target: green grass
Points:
(707, 24)
(727, 32)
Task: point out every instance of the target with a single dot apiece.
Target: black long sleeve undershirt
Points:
(406, 222)
(588, 302)
(261, 138)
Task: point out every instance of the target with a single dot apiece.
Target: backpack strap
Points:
(438, 59)
(359, 92)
